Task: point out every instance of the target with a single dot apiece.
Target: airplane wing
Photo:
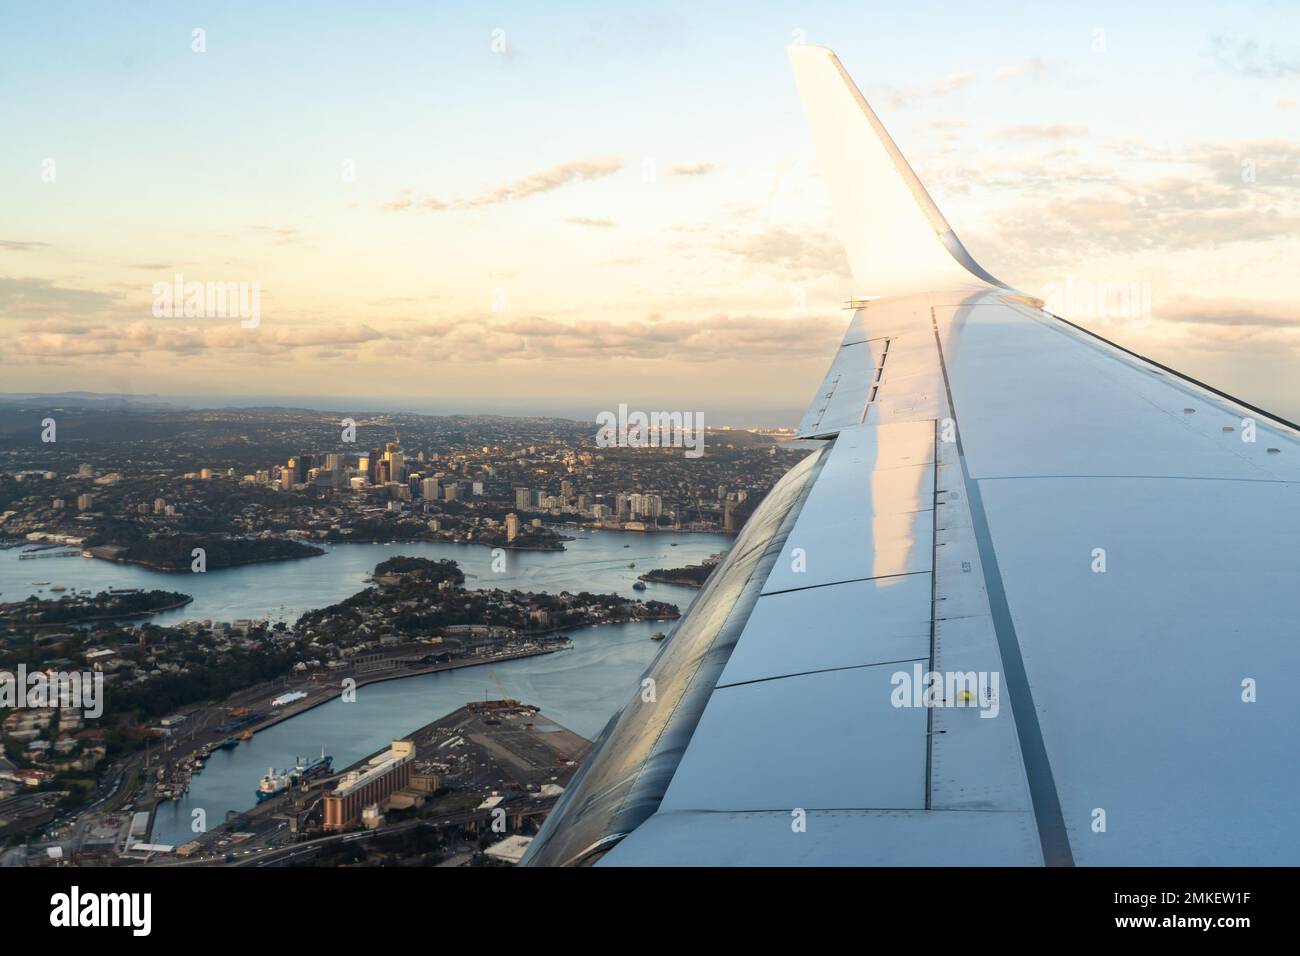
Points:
(1028, 600)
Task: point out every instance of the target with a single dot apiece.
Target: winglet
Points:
(896, 239)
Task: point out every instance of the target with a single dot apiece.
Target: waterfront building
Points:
(374, 783)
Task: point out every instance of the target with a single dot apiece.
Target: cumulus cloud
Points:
(56, 339)
(475, 339)
(718, 337)
(544, 181)
(805, 253)
(1168, 214)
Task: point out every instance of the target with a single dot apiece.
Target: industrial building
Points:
(382, 776)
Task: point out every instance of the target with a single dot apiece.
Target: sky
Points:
(557, 208)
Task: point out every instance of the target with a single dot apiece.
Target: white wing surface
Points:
(1094, 553)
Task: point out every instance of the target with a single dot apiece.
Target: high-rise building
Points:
(429, 489)
(396, 465)
(523, 499)
(512, 526)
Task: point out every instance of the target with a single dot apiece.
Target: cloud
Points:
(17, 245)
(1265, 164)
(718, 337)
(1035, 131)
(934, 88)
(1162, 215)
(33, 297)
(473, 338)
(1251, 58)
(1033, 69)
(1233, 313)
(800, 253)
(547, 180)
(597, 223)
(55, 339)
(279, 234)
(692, 169)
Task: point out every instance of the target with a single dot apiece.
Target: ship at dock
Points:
(276, 782)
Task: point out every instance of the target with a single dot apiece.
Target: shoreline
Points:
(179, 570)
(362, 680)
(135, 615)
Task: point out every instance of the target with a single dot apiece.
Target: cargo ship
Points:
(276, 782)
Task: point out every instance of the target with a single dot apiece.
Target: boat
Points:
(272, 784)
(276, 782)
(319, 767)
(658, 636)
(246, 736)
(230, 743)
(58, 587)
(638, 586)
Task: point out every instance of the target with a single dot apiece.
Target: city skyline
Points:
(434, 223)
